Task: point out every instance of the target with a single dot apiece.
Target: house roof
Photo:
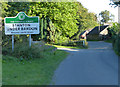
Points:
(82, 32)
(96, 29)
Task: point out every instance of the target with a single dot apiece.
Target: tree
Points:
(62, 14)
(68, 18)
(85, 19)
(106, 16)
(11, 9)
(115, 2)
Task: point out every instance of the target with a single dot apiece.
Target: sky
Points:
(96, 6)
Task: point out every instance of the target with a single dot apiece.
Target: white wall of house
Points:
(104, 32)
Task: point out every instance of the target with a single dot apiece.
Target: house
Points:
(83, 34)
(98, 32)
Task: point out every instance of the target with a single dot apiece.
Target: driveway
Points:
(97, 65)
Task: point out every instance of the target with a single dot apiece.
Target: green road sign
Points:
(21, 24)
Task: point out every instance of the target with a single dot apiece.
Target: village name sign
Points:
(21, 24)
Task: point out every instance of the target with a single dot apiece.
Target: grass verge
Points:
(32, 72)
(75, 44)
(108, 41)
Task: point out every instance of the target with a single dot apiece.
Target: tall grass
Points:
(22, 50)
(32, 72)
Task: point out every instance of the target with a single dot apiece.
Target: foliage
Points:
(41, 28)
(62, 14)
(106, 16)
(60, 39)
(114, 32)
(31, 72)
(7, 39)
(68, 18)
(22, 50)
(73, 44)
(52, 31)
(108, 41)
(115, 28)
(11, 9)
(82, 43)
(117, 3)
(116, 44)
(86, 20)
(3, 7)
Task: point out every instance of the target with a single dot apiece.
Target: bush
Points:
(116, 44)
(25, 51)
(22, 50)
(115, 34)
(60, 40)
(77, 43)
(7, 39)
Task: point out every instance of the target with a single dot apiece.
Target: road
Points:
(97, 65)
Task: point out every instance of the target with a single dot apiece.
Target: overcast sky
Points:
(97, 6)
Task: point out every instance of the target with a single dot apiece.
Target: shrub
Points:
(7, 39)
(27, 52)
(60, 40)
(22, 50)
(78, 43)
(115, 34)
(116, 44)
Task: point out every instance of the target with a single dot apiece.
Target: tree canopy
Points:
(106, 16)
(69, 18)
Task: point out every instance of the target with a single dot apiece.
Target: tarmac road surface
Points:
(97, 65)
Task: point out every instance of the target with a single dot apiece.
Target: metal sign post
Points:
(12, 43)
(30, 40)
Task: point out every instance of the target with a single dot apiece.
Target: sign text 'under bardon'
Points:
(21, 24)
